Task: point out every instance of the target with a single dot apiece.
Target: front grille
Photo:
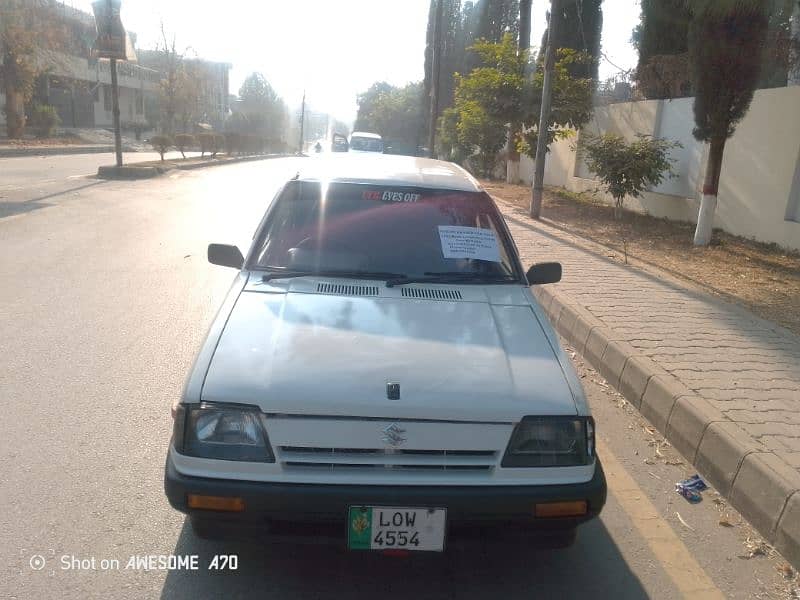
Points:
(316, 458)
(347, 290)
(431, 293)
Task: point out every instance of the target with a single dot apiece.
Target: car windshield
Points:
(405, 231)
(366, 144)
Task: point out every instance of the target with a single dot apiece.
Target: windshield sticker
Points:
(469, 242)
(390, 196)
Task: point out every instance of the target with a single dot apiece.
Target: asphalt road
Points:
(105, 295)
(31, 182)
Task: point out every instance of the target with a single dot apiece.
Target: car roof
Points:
(384, 169)
(366, 134)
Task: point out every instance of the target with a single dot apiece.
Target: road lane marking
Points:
(688, 576)
(77, 176)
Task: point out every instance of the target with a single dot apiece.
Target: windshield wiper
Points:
(278, 273)
(453, 277)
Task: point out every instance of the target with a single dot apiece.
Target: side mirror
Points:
(225, 255)
(540, 273)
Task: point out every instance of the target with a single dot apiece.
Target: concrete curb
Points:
(56, 150)
(230, 161)
(129, 172)
(133, 171)
(758, 483)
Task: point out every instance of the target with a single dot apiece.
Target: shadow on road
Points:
(593, 567)
(9, 208)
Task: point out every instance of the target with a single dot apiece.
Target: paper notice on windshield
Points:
(469, 242)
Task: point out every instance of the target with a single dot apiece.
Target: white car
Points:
(363, 141)
(381, 372)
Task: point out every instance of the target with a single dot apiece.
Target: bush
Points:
(209, 142)
(44, 119)
(183, 141)
(161, 143)
(627, 168)
(232, 143)
(253, 144)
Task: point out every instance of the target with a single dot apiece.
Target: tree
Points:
(396, 113)
(781, 55)
(524, 42)
(368, 102)
(661, 39)
(627, 169)
(30, 36)
(452, 51)
(263, 112)
(497, 18)
(450, 146)
(180, 85)
(579, 27)
(183, 141)
(188, 110)
(726, 40)
(571, 102)
(161, 143)
(463, 24)
(486, 100)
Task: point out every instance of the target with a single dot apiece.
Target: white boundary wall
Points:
(759, 194)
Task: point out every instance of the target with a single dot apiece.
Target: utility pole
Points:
(111, 43)
(302, 122)
(794, 72)
(544, 115)
(115, 112)
(436, 65)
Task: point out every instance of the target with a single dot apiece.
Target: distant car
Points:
(339, 143)
(381, 371)
(361, 141)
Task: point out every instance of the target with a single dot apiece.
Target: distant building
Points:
(79, 86)
(214, 95)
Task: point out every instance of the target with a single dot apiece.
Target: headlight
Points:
(222, 431)
(551, 442)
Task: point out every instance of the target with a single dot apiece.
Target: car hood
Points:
(318, 354)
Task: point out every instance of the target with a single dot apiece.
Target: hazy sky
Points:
(332, 49)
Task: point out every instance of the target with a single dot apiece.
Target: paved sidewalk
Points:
(722, 384)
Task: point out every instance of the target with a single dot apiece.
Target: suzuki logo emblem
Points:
(393, 435)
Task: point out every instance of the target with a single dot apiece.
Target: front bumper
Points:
(270, 503)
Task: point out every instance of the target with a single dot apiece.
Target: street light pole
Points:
(436, 48)
(302, 122)
(544, 115)
(115, 112)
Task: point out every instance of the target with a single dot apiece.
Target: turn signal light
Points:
(575, 508)
(216, 503)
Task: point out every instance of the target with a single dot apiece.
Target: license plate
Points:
(392, 527)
